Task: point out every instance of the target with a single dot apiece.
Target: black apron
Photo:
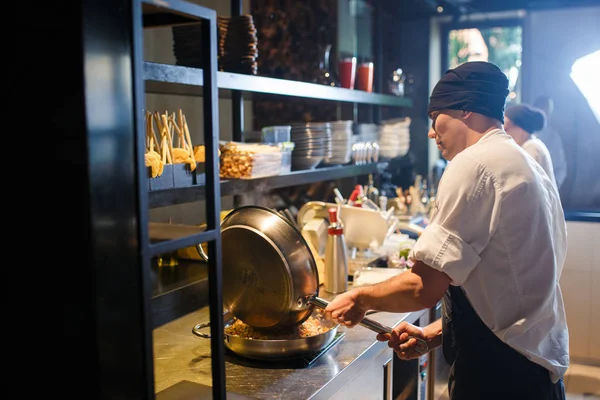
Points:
(483, 367)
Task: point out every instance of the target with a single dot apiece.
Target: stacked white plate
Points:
(394, 137)
(367, 133)
(312, 144)
(341, 143)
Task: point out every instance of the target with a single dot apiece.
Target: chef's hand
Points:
(399, 340)
(345, 309)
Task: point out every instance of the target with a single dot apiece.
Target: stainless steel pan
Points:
(272, 349)
(267, 268)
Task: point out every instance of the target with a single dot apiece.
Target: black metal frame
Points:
(187, 81)
(162, 198)
(378, 50)
(237, 99)
(211, 139)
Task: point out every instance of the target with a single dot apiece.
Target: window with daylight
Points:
(501, 45)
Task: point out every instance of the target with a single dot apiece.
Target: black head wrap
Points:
(476, 86)
(527, 117)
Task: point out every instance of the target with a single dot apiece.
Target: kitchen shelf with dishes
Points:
(118, 193)
(181, 185)
(179, 172)
(181, 80)
(187, 178)
(196, 192)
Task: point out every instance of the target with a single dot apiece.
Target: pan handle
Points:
(196, 330)
(422, 347)
(366, 322)
(201, 252)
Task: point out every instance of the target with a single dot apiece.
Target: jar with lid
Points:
(396, 83)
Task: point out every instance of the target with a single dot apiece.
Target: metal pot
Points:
(268, 269)
(271, 349)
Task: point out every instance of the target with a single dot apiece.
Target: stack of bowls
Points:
(237, 44)
(341, 143)
(187, 45)
(312, 144)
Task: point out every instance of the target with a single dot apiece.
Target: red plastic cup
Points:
(364, 77)
(347, 72)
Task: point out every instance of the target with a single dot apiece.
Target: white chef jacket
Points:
(498, 231)
(553, 142)
(538, 150)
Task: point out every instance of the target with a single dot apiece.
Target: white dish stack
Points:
(366, 148)
(394, 137)
(341, 143)
(367, 133)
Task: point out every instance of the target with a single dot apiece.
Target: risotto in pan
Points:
(311, 327)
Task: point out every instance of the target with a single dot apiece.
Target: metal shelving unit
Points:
(187, 81)
(211, 84)
(161, 198)
(98, 102)
(176, 12)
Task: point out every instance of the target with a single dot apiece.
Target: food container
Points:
(276, 134)
(347, 72)
(364, 77)
(286, 156)
(249, 160)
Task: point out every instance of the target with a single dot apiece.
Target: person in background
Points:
(522, 122)
(552, 140)
(491, 253)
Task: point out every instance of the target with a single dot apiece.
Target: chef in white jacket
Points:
(522, 122)
(552, 139)
(493, 253)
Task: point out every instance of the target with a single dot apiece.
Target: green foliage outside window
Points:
(499, 45)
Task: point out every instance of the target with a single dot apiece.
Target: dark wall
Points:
(292, 38)
(406, 46)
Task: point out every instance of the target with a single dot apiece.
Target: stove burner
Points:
(287, 363)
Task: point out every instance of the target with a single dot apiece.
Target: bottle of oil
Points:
(336, 256)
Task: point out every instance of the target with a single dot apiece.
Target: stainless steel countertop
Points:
(181, 356)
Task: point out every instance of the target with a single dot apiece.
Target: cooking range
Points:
(302, 361)
(273, 283)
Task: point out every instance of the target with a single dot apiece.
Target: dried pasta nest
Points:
(153, 160)
(173, 147)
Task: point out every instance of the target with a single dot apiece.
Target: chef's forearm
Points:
(401, 293)
(433, 333)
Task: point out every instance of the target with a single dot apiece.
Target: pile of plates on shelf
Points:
(394, 137)
(341, 143)
(312, 144)
(237, 44)
(367, 133)
(187, 45)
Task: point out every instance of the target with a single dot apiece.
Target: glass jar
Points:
(396, 83)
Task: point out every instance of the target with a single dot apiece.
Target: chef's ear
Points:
(465, 114)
